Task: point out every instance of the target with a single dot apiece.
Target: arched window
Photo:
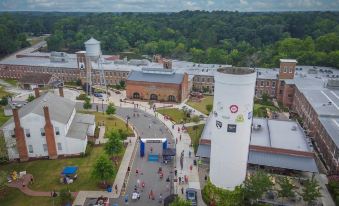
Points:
(154, 97)
(171, 98)
(136, 95)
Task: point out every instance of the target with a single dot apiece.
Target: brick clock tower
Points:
(285, 87)
(84, 65)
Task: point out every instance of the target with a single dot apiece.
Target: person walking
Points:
(182, 190)
(126, 199)
(160, 198)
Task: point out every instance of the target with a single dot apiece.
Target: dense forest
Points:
(237, 38)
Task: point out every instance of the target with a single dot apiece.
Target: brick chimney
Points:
(20, 137)
(50, 138)
(36, 92)
(61, 91)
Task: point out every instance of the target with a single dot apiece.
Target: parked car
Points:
(191, 196)
(97, 95)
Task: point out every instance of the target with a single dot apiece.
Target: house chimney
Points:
(50, 138)
(36, 92)
(61, 91)
(20, 137)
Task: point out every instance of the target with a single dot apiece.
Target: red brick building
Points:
(157, 84)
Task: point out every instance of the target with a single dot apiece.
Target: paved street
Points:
(147, 170)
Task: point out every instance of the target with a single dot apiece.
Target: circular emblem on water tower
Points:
(234, 108)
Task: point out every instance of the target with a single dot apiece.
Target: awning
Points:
(204, 151)
(70, 170)
(300, 163)
(168, 152)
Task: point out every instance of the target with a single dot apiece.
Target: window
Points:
(273, 84)
(59, 146)
(57, 131)
(290, 95)
(267, 83)
(12, 133)
(273, 92)
(282, 83)
(28, 133)
(285, 70)
(256, 91)
(290, 70)
(262, 83)
(203, 79)
(30, 148)
(42, 131)
(280, 91)
(45, 147)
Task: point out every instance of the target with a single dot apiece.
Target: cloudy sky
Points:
(167, 5)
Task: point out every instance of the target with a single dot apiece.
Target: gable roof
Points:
(60, 109)
(170, 78)
(35, 78)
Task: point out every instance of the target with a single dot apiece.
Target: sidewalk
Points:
(101, 139)
(183, 145)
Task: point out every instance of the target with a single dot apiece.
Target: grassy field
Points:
(3, 118)
(111, 123)
(12, 82)
(3, 93)
(201, 106)
(17, 198)
(259, 110)
(195, 135)
(47, 172)
(176, 115)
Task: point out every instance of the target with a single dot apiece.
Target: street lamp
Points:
(102, 105)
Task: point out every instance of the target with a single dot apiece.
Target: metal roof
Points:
(92, 41)
(170, 78)
(284, 161)
(60, 108)
(79, 126)
(289, 60)
(306, 164)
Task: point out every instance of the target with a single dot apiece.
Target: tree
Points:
(3, 150)
(110, 109)
(286, 188)
(30, 98)
(311, 190)
(209, 107)
(65, 196)
(256, 185)
(264, 98)
(114, 144)
(4, 101)
(180, 202)
(103, 169)
(122, 84)
(196, 119)
(87, 104)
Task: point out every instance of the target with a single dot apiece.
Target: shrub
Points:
(82, 97)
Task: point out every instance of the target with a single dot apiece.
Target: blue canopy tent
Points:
(70, 170)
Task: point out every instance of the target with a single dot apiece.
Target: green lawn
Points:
(3, 92)
(3, 118)
(201, 106)
(111, 123)
(12, 82)
(176, 115)
(47, 172)
(195, 135)
(17, 198)
(259, 110)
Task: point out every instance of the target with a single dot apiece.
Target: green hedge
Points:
(333, 187)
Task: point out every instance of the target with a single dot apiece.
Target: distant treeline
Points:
(237, 38)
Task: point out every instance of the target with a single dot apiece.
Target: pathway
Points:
(22, 185)
(101, 139)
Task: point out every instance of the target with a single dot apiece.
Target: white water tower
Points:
(231, 128)
(93, 50)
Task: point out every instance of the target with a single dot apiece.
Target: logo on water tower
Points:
(234, 108)
(218, 124)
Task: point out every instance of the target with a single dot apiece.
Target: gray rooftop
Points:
(264, 73)
(60, 108)
(285, 161)
(306, 164)
(170, 78)
(79, 126)
(279, 134)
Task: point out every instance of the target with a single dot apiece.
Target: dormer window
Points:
(57, 130)
(28, 133)
(12, 133)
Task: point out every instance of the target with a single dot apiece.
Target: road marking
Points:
(335, 94)
(335, 122)
(334, 104)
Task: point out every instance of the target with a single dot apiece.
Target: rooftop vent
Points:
(256, 127)
(294, 128)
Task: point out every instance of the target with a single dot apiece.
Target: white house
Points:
(48, 126)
